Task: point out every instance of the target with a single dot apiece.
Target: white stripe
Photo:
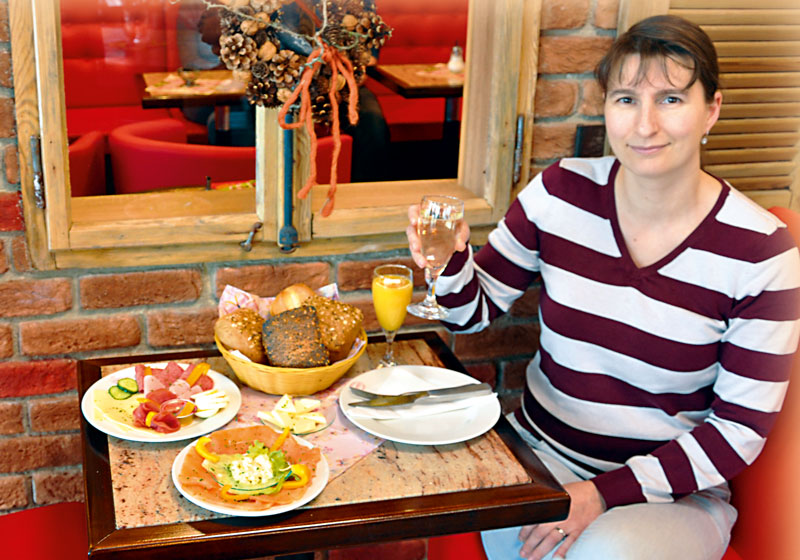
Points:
(760, 335)
(650, 475)
(608, 419)
(586, 357)
(743, 440)
(629, 306)
(740, 211)
(764, 396)
(507, 245)
(705, 474)
(559, 218)
(596, 170)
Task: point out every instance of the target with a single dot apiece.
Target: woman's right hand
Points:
(415, 244)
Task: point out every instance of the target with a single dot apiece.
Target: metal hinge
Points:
(520, 138)
(38, 174)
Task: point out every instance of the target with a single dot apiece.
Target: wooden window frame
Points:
(205, 226)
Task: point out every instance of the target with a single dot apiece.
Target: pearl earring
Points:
(704, 139)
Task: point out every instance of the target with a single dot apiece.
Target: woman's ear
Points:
(714, 107)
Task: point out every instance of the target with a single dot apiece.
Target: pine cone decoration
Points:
(321, 108)
(266, 5)
(286, 67)
(263, 93)
(237, 51)
(374, 29)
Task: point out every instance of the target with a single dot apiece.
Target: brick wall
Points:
(51, 319)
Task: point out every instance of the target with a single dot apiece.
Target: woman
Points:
(669, 316)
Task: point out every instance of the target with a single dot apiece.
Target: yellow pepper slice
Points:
(148, 371)
(200, 447)
(281, 438)
(225, 494)
(198, 370)
(149, 418)
(301, 474)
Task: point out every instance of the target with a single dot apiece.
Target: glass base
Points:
(428, 311)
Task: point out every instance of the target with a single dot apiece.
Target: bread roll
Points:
(292, 339)
(339, 324)
(241, 330)
(290, 297)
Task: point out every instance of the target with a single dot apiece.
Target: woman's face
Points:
(655, 124)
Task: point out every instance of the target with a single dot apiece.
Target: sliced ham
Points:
(204, 382)
(165, 423)
(181, 389)
(152, 383)
(140, 413)
(138, 374)
(169, 374)
(160, 395)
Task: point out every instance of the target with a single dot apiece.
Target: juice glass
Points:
(392, 285)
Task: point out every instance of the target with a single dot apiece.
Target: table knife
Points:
(419, 397)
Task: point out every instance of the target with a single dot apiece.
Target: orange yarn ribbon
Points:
(339, 65)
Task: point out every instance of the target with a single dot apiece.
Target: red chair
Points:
(767, 493)
(87, 165)
(45, 533)
(153, 155)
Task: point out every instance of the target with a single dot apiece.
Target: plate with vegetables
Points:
(250, 471)
(161, 402)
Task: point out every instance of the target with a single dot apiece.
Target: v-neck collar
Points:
(626, 259)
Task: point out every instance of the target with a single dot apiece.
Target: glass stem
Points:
(388, 357)
(430, 279)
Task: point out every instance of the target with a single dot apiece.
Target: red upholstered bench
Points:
(423, 32)
(45, 533)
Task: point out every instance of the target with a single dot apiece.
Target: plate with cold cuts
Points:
(115, 417)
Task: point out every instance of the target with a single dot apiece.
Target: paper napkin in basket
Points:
(402, 380)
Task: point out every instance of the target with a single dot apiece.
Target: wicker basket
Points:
(289, 381)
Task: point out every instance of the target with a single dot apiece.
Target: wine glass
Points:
(439, 216)
(392, 285)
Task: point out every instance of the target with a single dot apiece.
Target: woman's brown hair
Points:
(661, 38)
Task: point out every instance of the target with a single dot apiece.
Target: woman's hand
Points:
(586, 505)
(415, 244)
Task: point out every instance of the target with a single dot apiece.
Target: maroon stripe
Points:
(625, 339)
(758, 421)
(725, 459)
(456, 263)
(677, 468)
(597, 387)
(778, 305)
(755, 365)
(743, 244)
(523, 230)
(456, 299)
(503, 269)
(606, 448)
(578, 190)
(619, 487)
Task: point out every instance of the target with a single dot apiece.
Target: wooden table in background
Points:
(490, 481)
(415, 81)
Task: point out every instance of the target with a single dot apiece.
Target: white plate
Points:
(314, 488)
(198, 428)
(448, 427)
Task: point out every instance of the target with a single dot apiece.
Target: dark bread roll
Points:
(339, 324)
(241, 330)
(292, 339)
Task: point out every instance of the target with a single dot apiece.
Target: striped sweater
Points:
(657, 381)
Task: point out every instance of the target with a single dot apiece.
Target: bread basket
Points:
(289, 381)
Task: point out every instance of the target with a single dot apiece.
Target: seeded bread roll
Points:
(339, 324)
(241, 330)
(291, 339)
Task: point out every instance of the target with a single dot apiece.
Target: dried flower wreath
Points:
(302, 55)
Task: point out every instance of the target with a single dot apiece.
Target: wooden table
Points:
(422, 80)
(397, 491)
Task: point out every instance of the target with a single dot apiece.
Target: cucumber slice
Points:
(119, 393)
(128, 384)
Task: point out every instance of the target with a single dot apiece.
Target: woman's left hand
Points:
(586, 505)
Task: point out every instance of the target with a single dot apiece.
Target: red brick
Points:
(528, 304)
(357, 275)
(35, 297)
(19, 254)
(59, 486)
(483, 372)
(268, 280)
(565, 14)
(55, 415)
(4, 28)
(592, 99)
(3, 257)
(552, 141)
(140, 288)
(13, 492)
(371, 321)
(497, 342)
(7, 120)
(22, 379)
(398, 550)
(571, 54)
(6, 341)
(11, 421)
(514, 374)
(5, 70)
(41, 338)
(25, 453)
(605, 14)
(555, 98)
(10, 209)
(509, 402)
(11, 159)
(181, 328)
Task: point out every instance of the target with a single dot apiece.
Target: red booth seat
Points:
(153, 155)
(423, 32)
(46, 533)
(87, 167)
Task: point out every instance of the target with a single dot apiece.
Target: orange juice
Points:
(391, 294)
